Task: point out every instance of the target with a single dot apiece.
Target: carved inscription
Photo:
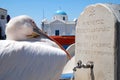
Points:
(94, 52)
(91, 12)
(95, 29)
(91, 37)
(93, 22)
(91, 40)
(95, 45)
(91, 31)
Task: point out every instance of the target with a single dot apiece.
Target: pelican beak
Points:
(33, 35)
(37, 32)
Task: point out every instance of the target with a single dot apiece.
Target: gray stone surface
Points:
(97, 40)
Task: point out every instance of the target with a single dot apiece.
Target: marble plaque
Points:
(96, 42)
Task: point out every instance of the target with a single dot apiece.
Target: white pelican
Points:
(29, 54)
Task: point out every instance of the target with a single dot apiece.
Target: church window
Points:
(0, 33)
(2, 17)
(57, 32)
(63, 18)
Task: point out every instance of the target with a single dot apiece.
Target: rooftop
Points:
(60, 12)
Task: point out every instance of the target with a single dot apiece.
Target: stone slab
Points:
(96, 42)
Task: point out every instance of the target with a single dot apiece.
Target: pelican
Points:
(28, 53)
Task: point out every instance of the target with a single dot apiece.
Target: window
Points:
(57, 32)
(63, 18)
(0, 33)
(2, 17)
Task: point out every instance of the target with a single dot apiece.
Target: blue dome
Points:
(60, 12)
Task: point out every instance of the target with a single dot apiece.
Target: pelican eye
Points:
(33, 23)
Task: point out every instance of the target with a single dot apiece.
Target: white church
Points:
(59, 25)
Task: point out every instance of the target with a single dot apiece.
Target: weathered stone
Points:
(98, 40)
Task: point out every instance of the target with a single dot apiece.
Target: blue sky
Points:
(35, 8)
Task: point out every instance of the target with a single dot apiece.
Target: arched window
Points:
(8, 18)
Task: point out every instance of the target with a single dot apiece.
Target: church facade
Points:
(59, 25)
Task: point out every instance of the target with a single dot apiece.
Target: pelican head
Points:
(21, 28)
